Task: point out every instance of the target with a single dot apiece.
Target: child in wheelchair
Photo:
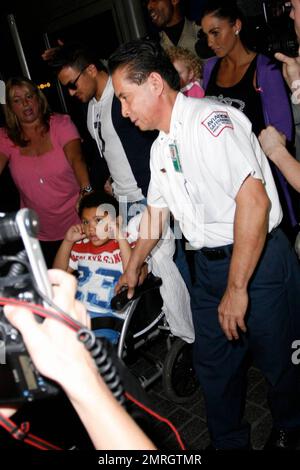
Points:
(99, 251)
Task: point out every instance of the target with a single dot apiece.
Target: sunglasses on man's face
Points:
(73, 85)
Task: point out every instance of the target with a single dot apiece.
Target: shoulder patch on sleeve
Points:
(216, 122)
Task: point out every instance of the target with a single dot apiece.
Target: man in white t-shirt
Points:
(209, 170)
(125, 149)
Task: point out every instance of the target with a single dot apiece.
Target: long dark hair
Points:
(13, 127)
(227, 10)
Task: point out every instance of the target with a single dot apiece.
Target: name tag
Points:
(175, 158)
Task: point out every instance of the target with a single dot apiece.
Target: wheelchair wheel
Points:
(179, 379)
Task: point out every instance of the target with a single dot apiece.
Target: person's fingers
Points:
(81, 314)
(130, 292)
(284, 58)
(49, 53)
(223, 320)
(242, 325)
(64, 288)
(233, 328)
(143, 274)
(8, 412)
(22, 319)
(122, 282)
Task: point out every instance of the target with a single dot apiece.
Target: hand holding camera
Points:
(27, 283)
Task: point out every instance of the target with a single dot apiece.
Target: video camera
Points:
(278, 35)
(23, 277)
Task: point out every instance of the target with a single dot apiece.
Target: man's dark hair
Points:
(96, 199)
(142, 57)
(74, 55)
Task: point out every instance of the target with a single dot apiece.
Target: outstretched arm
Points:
(273, 144)
(151, 228)
(58, 355)
(73, 152)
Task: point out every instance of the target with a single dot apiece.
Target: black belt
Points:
(111, 323)
(213, 254)
(222, 252)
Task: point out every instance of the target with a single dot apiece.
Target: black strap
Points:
(112, 323)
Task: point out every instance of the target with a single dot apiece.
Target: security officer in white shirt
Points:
(208, 169)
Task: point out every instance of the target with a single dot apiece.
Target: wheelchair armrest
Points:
(119, 301)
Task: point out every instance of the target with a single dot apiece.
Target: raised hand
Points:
(290, 69)
(270, 139)
(75, 233)
(48, 53)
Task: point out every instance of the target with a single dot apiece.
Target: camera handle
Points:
(25, 224)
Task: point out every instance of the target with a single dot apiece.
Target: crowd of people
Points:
(219, 164)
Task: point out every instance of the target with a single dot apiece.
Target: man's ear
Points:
(92, 70)
(156, 82)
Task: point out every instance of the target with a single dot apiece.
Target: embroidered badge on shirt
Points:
(216, 122)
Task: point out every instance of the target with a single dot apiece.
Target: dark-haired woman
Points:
(249, 81)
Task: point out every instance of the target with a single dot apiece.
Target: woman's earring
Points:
(237, 32)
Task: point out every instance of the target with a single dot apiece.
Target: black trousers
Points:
(272, 322)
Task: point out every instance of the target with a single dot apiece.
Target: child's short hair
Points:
(96, 199)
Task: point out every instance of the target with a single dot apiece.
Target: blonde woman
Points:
(43, 152)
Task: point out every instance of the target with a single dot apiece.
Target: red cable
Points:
(39, 310)
(23, 430)
(157, 416)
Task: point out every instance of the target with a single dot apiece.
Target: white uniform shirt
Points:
(214, 151)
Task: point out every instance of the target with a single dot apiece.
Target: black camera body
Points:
(278, 34)
(20, 381)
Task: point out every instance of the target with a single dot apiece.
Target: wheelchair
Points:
(144, 323)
